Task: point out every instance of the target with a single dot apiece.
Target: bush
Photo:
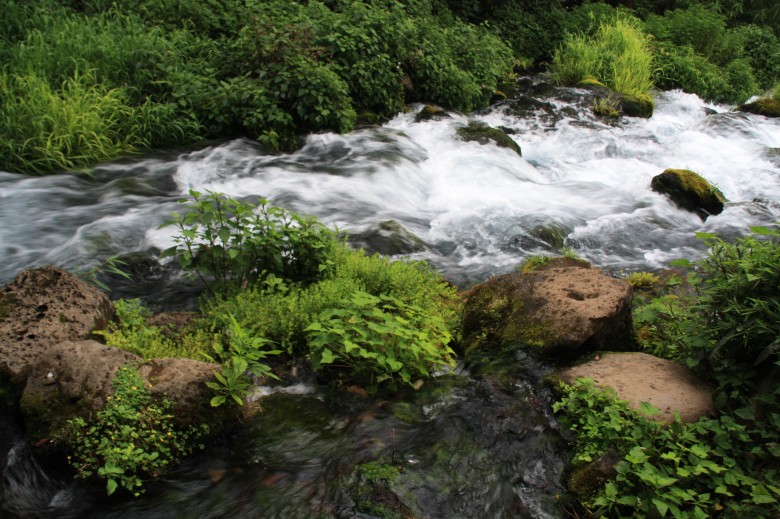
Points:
(618, 55)
(713, 467)
(231, 244)
(379, 340)
(132, 437)
(741, 298)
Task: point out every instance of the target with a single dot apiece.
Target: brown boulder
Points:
(70, 378)
(43, 307)
(183, 381)
(639, 377)
(74, 378)
(552, 312)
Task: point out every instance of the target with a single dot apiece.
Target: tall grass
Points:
(44, 129)
(618, 55)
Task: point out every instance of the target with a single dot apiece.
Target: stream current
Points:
(467, 446)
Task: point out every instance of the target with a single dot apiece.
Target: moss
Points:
(482, 133)
(769, 107)
(640, 105)
(534, 263)
(373, 493)
(590, 81)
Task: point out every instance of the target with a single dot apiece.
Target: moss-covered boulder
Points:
(640, 105)
(587, 480)
(553, 312)
(768, 106)
(431, 112)
(638, 377)
(43, 307)
(484, 134)
(689, 191)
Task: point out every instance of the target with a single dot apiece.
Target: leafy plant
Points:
(379, 340)
(131, 438)
(741, 297)
(708, 468)
(242, 356)
(231, 244)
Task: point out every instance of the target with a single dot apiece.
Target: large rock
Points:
(74, 378)
(767, 106)
(388, 238)
(70, 378)
(689, 191)
(640, 105)
(639, 377)
(557, 311)
(43, 307)
(484, 134)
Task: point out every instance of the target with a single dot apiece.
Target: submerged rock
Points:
(43, 307)
(551, 312)
(639, 377)
(389, 238)
(689, 191)
(482, 133)
(431, 112)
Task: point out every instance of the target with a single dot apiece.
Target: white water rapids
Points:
(477, 207)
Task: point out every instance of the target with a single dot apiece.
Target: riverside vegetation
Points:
(89, 80)
(725, 326)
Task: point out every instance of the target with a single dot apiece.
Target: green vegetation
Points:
(728, 332)
(362, 319)
(131, 437)
(130, 332)
(82, 82)
(618, 55)
(642, 280)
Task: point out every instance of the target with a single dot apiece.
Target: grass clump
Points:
(618, 55)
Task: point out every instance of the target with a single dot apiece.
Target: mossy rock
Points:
(373, 493)
(640, 105)
(431, 112)
(483, 134)
(690, 191)
(552, 313)
(767, 106)
(587, 480)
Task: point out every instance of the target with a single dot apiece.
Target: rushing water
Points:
(468, 446)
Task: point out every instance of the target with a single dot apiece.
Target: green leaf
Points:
(327, 356)
(111, 486)
(661, 506)
(218, 400)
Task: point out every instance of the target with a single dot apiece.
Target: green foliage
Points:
(618, 55)
(642, 280)
(130, 332)
(45, 129)
(670, 327)
(533, 263)
(132, 437)
(242, 356)
(380, 340)
(741, 297)
(708, 468)
(699, 54)
(606, 106)
(231, 244)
